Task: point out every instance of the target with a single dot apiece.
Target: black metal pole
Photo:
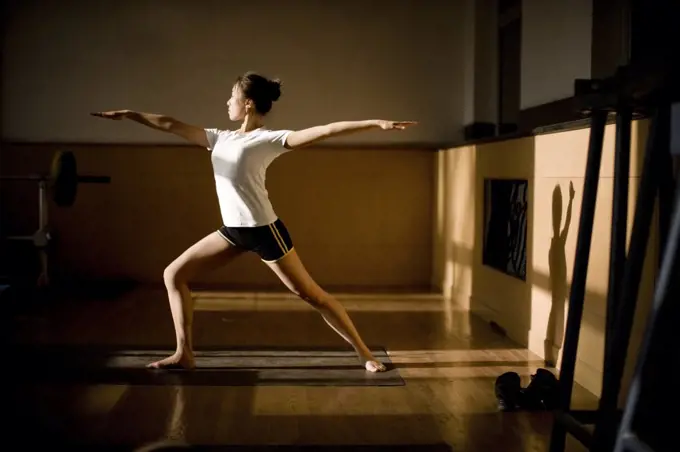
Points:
(578, 287)
(666, 186)
(661, 321)
(657, 145)
(617, 255)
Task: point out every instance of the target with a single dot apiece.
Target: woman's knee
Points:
(316, 297)
(176, 273)
(293, 274)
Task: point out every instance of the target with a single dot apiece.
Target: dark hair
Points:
(260, 89)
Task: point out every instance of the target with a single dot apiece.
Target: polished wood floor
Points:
(448, 359)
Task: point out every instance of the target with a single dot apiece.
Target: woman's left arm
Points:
(311, 135)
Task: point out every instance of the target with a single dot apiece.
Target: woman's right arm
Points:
(164, 123)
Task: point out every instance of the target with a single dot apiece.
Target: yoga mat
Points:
(264, 366)
(440, 447)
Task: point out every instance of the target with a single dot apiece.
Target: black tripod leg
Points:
(578, 287)
(666, 186)
(657, 146)
(650, 368)
(617, 255)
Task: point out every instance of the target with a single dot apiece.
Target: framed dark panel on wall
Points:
(505, 226)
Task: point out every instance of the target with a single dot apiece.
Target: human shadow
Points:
(558, 276)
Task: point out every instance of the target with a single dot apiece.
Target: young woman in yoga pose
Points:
(240, 159)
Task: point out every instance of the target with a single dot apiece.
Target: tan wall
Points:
(359, 218)
(535, 310)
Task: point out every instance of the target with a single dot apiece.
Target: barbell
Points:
(63, 179)
(61, 184)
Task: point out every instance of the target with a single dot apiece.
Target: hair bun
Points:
(275, 89)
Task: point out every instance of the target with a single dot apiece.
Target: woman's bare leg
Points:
(207, 254)
(293, 274)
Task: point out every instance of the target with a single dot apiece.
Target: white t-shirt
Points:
(240, 162)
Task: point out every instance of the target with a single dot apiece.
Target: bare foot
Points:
(179, 360)
(373, 365)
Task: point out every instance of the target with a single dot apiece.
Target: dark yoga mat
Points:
(437, 447)
(265, 366)
(442, 447)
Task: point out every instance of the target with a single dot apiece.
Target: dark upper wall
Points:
(354, 59)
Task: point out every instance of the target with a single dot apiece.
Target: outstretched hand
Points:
(113, 114)
(395, 125)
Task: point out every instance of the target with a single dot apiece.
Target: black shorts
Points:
(270, 242)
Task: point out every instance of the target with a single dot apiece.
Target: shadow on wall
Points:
(554, 335)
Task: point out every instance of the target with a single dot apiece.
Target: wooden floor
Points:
(448, 359)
